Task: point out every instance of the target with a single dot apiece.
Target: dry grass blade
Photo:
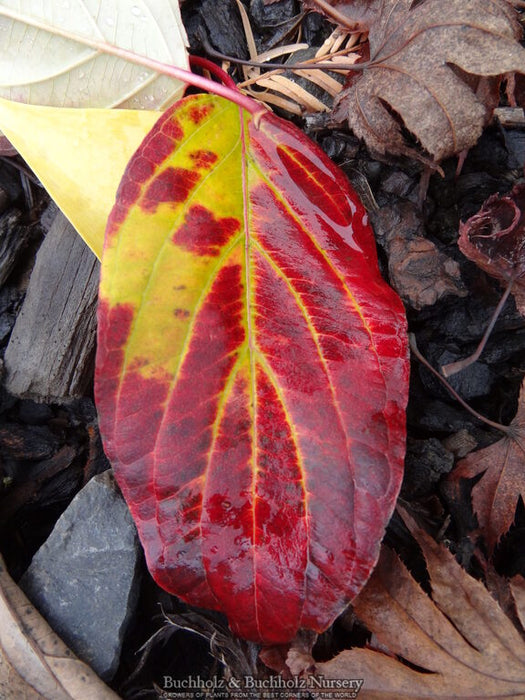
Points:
(283, 91)
(34, 663)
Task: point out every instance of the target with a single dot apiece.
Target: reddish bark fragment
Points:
(203, 234)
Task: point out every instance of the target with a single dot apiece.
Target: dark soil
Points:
(49, 451)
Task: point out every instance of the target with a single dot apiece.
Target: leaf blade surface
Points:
(59, 144)
(43, 66)
(251, 370)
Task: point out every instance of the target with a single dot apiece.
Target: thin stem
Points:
(181, 74)
(454, 367)
(413, 346)
(214, 69)
(337, 16)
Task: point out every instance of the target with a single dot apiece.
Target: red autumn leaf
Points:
(252, 370)
(495, 495)
(494, 239)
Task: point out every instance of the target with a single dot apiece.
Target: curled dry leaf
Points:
(494, 239)
(464, 644)
(34, 662)
(495, 495)
(426, 61)
(45, 67)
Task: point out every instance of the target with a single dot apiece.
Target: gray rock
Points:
(84, 578)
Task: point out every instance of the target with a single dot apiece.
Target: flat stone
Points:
(84, 579)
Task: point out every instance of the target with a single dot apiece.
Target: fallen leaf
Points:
(458, 642)
(48, 68)
(426, 59)
(252, 370)
(34, 663)
(494, 239)
(517, 587)
(496, 494)
(418, 271)
(79, 156)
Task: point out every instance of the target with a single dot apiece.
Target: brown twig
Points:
(413, 346)
(454, 367)
(337, 16)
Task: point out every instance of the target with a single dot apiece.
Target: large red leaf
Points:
(251, 371)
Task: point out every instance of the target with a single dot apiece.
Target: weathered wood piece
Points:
(14, 237)
(51, 350)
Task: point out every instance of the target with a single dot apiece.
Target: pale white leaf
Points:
(38, 66)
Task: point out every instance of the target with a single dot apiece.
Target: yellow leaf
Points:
(79, 155)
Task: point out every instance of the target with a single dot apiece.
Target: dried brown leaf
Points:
(418, 271)
(459, 636)
(34, 663)
(494, 239)
(426, 60)
(496, 494)
(517, 588)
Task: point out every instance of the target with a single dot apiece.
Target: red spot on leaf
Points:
(203, 234)
(142, 399)
(172, 127)
(128, 193)
(181, 313)
(162, 140)
(157, 148)
(172, 185)
(204, 159)
(198, 113)
(114, 325)
(140, 169)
